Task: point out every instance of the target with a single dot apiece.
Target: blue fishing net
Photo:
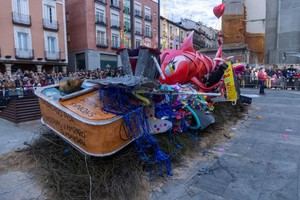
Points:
(120, 101)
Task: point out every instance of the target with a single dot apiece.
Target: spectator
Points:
(262, 77)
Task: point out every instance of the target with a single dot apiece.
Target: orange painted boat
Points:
(79, 119)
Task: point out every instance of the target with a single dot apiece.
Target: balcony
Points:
(138, 13)
(115, 5)
(138, 32)
(51, 25)
(21, 19)
(27, 54)
(126, 10)
(115, 24)
(52, 55)
(148, 34)
(148, 18)
(103, 2)
(101, 43)
(100, 21)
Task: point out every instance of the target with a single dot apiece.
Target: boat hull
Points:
(95, 138)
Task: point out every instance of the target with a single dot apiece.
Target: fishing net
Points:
(120, 101)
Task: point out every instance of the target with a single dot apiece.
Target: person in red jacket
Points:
(262, 77)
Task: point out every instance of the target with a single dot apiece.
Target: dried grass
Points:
(62, 169)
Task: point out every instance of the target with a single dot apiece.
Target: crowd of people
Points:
(24, 82)
(275, 77)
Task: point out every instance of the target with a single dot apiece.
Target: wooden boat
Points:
(79, 120)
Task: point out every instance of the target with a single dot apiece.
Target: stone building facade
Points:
(33, 35)
(98, 28)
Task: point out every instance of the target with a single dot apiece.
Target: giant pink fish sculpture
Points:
(186, 65)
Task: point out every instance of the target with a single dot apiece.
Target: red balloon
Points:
(219, 10)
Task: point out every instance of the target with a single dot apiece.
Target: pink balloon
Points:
(219, 10)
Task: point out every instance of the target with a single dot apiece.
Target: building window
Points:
(137, 9)
(147, 13)
(21, 12)
(49, 15)
(138, 27)
(23, 43)
(181, 35)
(101, 37)
(115, 20)
(21, 7)
(49, 12)
(148, 30)
(100, 15)
(137, 43)
(127, 6)
(114, 3)
(115, 41)
(51, 46)
(23, 40)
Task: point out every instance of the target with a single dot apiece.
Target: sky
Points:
(197, 10)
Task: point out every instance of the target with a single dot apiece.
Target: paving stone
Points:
(286, 152)
(19, 186)
(13, 136)
(245, 189)
(259, 162)
(279, 175)
(288, 191)
(261, 151)
(196, 193)
(215, 182)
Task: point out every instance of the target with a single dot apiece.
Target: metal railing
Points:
(13, 93)
(101, 42)
(24, 53)
(21, 19)
(52, 55)
(281, 82)
(50, 24)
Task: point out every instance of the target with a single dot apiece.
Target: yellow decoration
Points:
(230, 84)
